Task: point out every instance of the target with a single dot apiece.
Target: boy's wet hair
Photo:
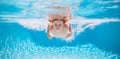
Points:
(53, 20)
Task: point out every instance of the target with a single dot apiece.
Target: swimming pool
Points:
(96, 30)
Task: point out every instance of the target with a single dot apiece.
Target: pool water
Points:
(95, 24)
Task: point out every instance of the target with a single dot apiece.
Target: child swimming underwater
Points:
(58, 23)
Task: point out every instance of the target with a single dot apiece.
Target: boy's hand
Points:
(49, 36)
(68, 35)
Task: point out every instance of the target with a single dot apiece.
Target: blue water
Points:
(96, 30)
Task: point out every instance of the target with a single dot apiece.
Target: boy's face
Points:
(58, 24)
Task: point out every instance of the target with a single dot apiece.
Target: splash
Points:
(79, 25)
(38, 24)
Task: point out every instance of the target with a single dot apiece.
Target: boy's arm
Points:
(70, 31)
(69, 12)
(48, 32)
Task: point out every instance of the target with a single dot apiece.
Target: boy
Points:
(58, 24)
